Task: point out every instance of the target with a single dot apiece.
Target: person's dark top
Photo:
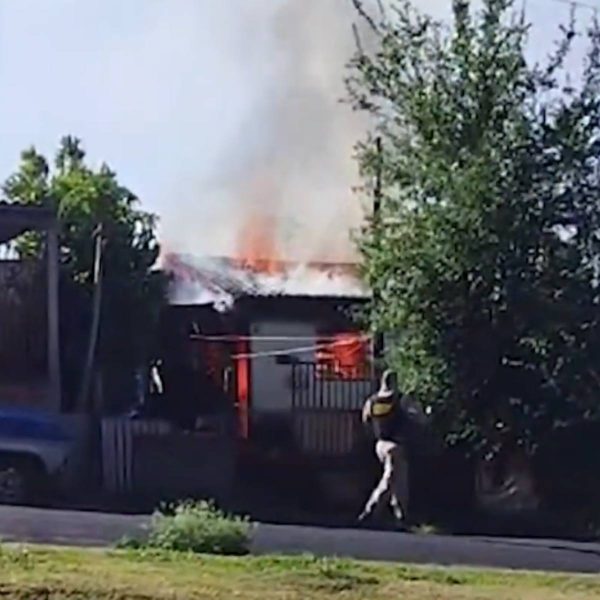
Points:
(386, 417)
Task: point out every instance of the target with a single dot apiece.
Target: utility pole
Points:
(88, 369)
(378, 342)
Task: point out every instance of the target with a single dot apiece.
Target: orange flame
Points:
(346, 356)
(257, 239)
(242, 369)
(258, 246)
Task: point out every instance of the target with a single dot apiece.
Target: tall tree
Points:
(484, 257)
(88, 201)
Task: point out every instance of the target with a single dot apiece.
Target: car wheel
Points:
(13, 484)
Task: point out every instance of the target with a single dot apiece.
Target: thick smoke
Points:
(289, 173)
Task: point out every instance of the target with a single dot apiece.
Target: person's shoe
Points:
(362, 518)
(398, 516)
(401, 526)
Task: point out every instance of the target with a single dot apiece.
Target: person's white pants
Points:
(392, 488)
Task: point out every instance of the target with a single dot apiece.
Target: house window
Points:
(343, 356)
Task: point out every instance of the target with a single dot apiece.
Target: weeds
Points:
(197, 527)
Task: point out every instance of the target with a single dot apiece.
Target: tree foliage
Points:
(133, 291)
(484, 257)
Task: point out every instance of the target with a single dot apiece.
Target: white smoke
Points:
(291, 162)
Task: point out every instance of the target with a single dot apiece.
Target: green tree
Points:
(133, 292)
(484, 257)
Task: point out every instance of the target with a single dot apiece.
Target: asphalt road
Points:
(71, 528)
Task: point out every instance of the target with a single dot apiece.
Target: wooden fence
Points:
(152, 459)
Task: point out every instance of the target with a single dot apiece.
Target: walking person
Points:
(384, 414)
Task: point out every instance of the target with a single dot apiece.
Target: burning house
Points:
(281, 339)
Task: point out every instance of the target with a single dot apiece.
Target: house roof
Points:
(17, 219)
(221, 281)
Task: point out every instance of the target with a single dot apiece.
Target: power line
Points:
(321, 344)
(579, 4)
(350, 337)
(287, 351)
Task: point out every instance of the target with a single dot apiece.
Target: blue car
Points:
(34, 450)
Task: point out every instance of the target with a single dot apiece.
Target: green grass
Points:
(147, 574)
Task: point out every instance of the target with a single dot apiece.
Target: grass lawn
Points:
(48, 573)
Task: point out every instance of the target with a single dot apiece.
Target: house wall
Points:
(324, 412)
(292, 409)
(271, 385)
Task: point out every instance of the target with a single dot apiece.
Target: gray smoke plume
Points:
(284, 185)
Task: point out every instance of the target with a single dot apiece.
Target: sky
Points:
(203, 107)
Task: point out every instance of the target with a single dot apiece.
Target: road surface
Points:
(72, 528)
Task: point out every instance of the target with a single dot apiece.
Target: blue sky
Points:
(167, 91)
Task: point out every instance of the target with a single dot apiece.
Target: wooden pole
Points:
(53, 338)
(88, 368)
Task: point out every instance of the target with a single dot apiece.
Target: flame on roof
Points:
(221, 281)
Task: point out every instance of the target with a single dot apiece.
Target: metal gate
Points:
(326, 409)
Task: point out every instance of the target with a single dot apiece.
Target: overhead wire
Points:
(272, 338)
(330, 342)
(578, 3)
(296, 350)
(286, 352)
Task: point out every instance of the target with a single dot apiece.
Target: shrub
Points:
(199, 527)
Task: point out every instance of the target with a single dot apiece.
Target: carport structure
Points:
(14, 221)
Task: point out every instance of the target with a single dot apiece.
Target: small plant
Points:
(426, 529)
(19, 556)
(129, 543)
(199, 527)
